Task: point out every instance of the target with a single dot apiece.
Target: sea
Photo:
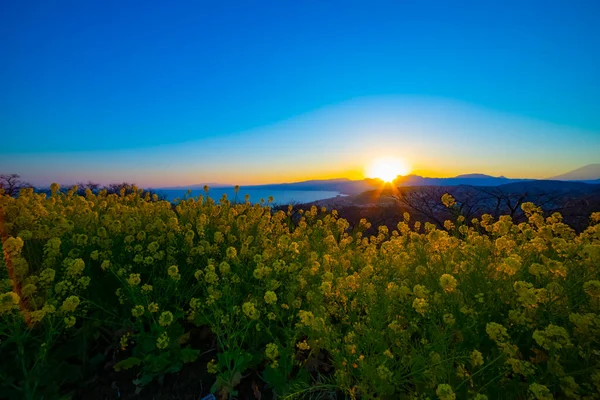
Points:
(280, 197)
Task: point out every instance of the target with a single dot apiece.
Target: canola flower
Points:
(166, 318)
(470, 309)
(70, 304)
(445, 392)
(270, 297)
(272, 353)
(477, 358)
(448, 283)
(137, 311)
(9, 301)
(163, 341)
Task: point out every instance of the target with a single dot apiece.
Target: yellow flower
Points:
(137, 311)
(540, 392)
(224, 267)
(153, 307)
(211, 277)
(231, 253)
(303, 345)
(272, 351)
(47, 276)
(445, 392)
(448, 283)
(13, 246)
(105, 265)
(173, 272)
(250, 311)
(449, 225)
(195, 303)
(538, 269)
(420, 305)
(166, 318)
(270, 297)
(520, 367)
(146, 288)
(70, 321)
(75, 267)
(70, 304)
(124, 340)
(530, 208)
(496, 332)
(212, 367)
(448, 200)
(306, 318)
(163, 341)
(477, 358)
(38, 315)
(552, 338)
(28, 290)
(420, 291)
(526, 293)
(134, 280)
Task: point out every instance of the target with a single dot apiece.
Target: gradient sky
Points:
(174, 93)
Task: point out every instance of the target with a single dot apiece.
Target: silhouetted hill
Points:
(478, 176)
(589, 172)
(469, 179)
(549, 185)
(353, 187)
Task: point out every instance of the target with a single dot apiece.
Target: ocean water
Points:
(280, 197)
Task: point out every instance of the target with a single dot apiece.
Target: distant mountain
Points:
(582, 176)
(347, 186)
(589, 172)
(469, 179)
(547, 186)
(341, 185)
(478, 176)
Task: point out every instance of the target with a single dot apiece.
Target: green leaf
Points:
(189, 355)
(127, 363)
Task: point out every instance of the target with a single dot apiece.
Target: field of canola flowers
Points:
(481, 310)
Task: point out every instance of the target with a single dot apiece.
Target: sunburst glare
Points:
(387, 169)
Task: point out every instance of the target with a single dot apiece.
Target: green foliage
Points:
(127, 363)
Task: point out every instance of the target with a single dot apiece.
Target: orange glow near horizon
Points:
(387, 169)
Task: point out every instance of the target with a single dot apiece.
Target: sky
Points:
(175, 93)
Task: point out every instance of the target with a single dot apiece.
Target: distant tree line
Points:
(11, 184)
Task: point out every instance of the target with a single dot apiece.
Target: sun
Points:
(387, 169)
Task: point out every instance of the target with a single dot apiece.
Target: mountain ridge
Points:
(590, 172)
(349, 186)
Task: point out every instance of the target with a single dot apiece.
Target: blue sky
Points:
(271, 91)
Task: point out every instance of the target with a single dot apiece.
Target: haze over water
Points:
(280, 197)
